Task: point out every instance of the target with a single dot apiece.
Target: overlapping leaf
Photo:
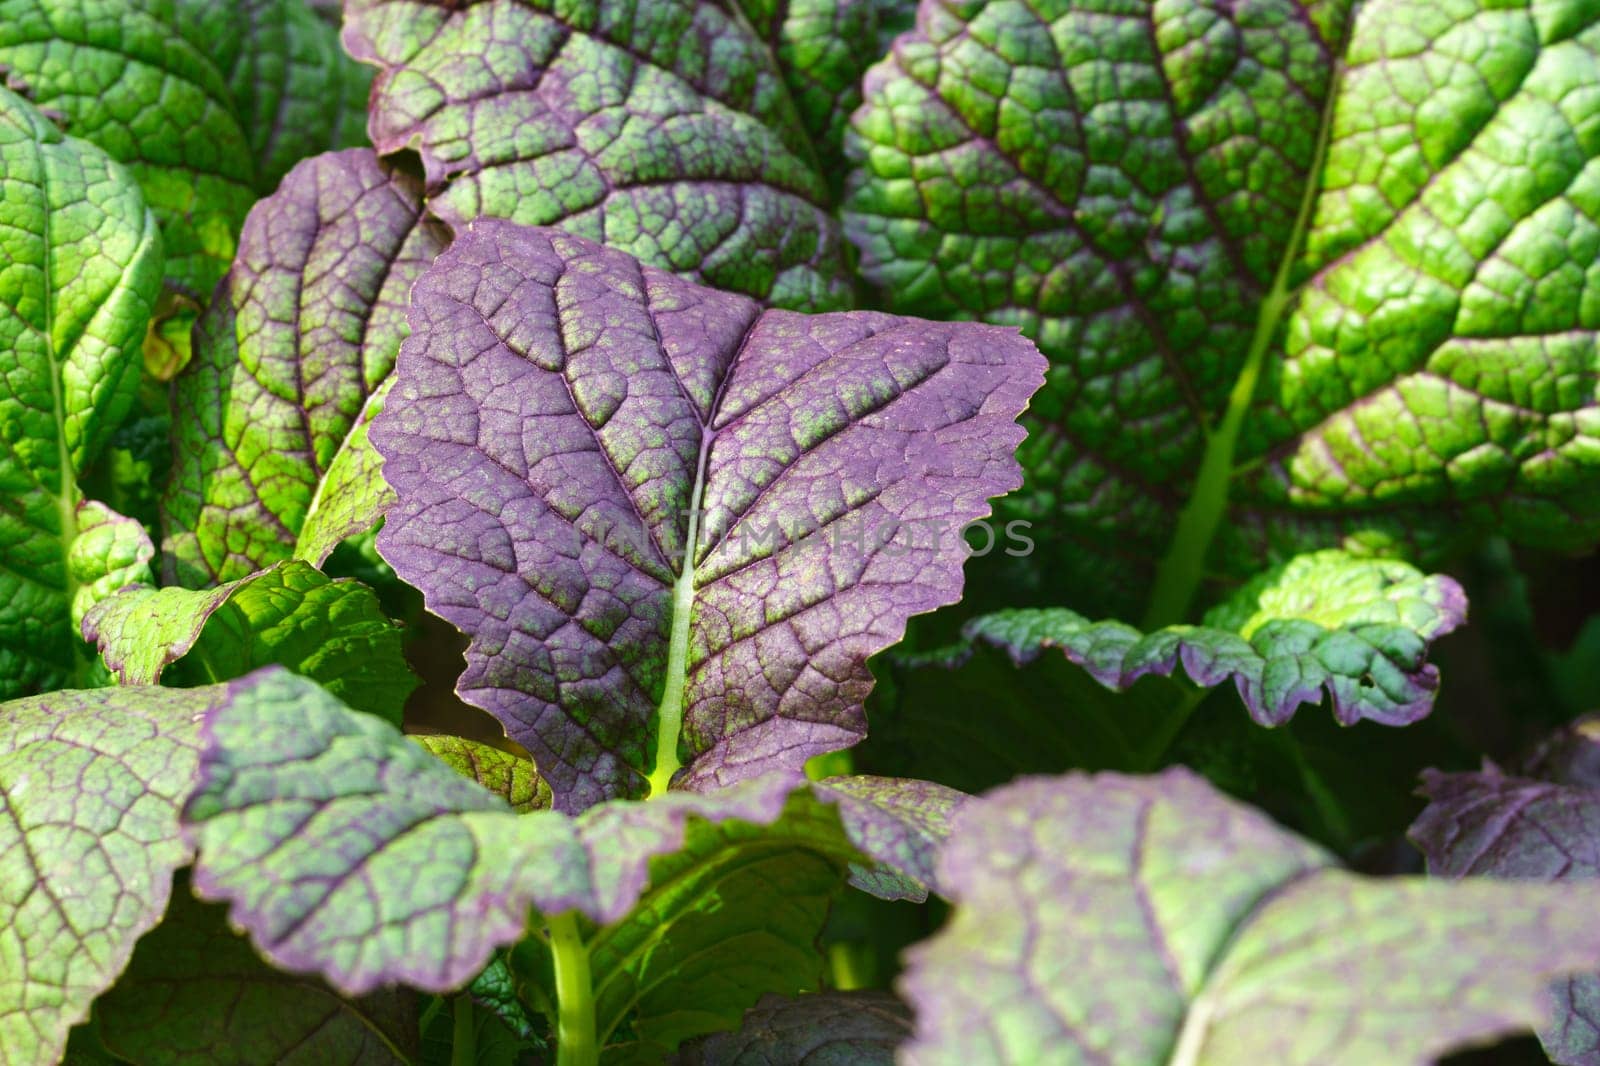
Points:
(109, 553)
(348, 851)
(511, 777)
(1357, 629)
(91, 783)
(737, 911)
(663, 129)
(131, 470)
(207, 104)
(901, 822)
(303, 331)
(194, 994)
(332, 631)
(860, 1028)
(1492, 824)
(80, 267)
(822, 47)
(673, 526)
(496, 991)
(294, 89)
(1387, 324)
(1150, 920)
(352, 496)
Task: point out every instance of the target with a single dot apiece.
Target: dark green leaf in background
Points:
(195, 994)
(1331, 263)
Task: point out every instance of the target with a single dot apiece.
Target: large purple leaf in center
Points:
(565, 421)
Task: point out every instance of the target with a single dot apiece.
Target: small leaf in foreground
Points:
(1154, 920)
(431, 872)
(1357, 629)
(676, 526)
(332, 631)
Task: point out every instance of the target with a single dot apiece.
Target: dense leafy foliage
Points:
(487, 490)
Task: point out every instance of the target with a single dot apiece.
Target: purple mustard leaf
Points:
(900, 823)
(565, 422)
(1354, 628)
(1491, 824)
(1151, 920)
(346, 850)
(1570, 755)
(663, 129)
(301, 332)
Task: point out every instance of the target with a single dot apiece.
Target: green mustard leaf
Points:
(1153, 922)
(1302, 269)
(1357, 629)
(208, 104)
(109, 553)
(511, 777)
(822, 48)
(91, 783)
(352, 496)
(80, 267)
(131, 470)
(736, 912)
(291, 614)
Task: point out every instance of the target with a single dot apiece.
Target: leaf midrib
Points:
(1199, 1010)
(1181, 570)
(669, 714)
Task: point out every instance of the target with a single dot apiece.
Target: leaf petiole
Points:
(1179, 574)
(669, 715)
(463, 1042)
(575, 1029)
